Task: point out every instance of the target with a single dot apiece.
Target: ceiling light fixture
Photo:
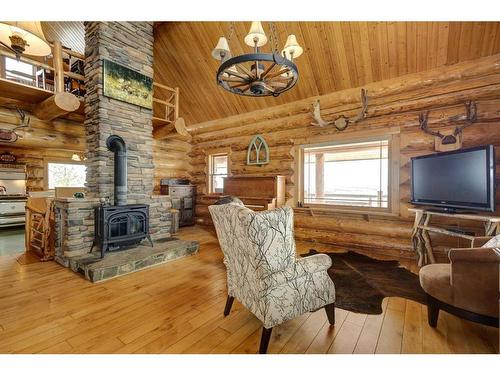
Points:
(24, 37)
(79, 157)
(258, 73)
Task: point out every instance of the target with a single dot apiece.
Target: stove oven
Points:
(12, 210)
(12, 196)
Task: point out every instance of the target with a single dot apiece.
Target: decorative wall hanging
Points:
(258, 73)
(258, 151)
(449, 140)
(7, 157)
(127, 85)
(10, 135)
(340, 122)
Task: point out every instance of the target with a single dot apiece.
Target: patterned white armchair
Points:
(263, 272)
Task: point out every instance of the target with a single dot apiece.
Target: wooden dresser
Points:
(184, 200)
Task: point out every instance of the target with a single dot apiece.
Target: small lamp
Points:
(292, 49)
(25, 37)
(221, 51)
(256, 37)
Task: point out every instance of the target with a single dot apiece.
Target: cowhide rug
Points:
(361, 282)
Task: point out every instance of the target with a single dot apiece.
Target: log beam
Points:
(382, 92)
(175, 130)
(57, 105)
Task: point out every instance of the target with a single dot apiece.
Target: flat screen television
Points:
(463, 179)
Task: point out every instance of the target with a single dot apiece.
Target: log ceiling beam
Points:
(57, 105)
(406, 93)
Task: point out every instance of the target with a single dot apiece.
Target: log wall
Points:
(394, 103)
(42, 141)
(36, 163)
(170, 158)
(59, 134)
(59, 139)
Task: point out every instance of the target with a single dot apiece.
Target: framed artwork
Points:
(127, 85)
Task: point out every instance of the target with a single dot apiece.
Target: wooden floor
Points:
(177, 308)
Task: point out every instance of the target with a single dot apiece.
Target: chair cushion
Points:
(494, 242)
(435, 280)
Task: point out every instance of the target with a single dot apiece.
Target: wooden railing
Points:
(166, 98)
(61, 76)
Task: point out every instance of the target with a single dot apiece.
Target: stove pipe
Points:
(117, 145)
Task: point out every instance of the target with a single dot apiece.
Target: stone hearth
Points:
(123, 262)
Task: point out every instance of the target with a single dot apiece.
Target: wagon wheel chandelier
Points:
(258, 73)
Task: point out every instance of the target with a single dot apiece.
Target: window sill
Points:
(336, 210)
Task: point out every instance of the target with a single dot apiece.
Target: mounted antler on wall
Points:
(341, 122)
(449, 140)
(10, 135)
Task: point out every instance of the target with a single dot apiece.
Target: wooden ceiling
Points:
(337, 56)
(70, 34)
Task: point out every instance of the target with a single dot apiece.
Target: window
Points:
(218, 169)
(352, 175)
(65, 175)
(19, 71)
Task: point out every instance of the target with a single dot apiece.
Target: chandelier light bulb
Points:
(256, 37)
(292, 49)
(221, 51)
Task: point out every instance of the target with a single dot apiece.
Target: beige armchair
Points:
(467, 287)
(263, 272)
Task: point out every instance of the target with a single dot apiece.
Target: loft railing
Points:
(46, 76)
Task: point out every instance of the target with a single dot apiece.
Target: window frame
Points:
(392, 208)
(210, 175)
(57, 161)
(32, 78)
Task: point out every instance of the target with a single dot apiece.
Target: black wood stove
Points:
(122, 225)
(119, 227)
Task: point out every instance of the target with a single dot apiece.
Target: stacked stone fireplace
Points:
(129, 44)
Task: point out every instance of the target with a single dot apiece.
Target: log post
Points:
(58, 67)
(176, 104)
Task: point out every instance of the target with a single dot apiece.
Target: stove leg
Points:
(150, 240)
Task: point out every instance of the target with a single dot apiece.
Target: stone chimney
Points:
(129, 44)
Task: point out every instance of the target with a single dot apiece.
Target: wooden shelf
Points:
(446, 232)
(157, 121)
(476, 217)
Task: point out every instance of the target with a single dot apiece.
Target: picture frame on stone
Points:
(127, 85)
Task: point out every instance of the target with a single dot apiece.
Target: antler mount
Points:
(448, 141)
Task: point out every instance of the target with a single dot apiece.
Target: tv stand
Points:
(421, 240)
(446, 210)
